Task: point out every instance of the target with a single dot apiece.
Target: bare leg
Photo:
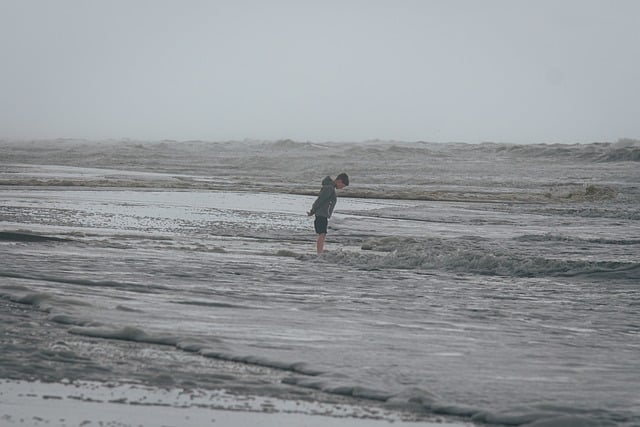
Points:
(320, 243)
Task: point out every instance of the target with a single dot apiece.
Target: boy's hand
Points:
(309, 213)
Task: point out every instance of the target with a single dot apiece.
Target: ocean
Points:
(489, 283)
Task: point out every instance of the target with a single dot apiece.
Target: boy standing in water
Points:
(324, 204)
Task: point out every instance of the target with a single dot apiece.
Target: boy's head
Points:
(342, 180)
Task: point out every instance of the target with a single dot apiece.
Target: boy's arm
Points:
(324, 195)
(331, 206)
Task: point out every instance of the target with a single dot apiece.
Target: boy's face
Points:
(339, 184)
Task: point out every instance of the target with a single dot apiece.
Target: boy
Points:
(324, 204)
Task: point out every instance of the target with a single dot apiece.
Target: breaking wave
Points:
(562, 238)
(402, 253)
(624, 150)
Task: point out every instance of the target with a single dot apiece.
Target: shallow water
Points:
(505, 295)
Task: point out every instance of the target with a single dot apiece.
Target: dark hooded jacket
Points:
(326, 201)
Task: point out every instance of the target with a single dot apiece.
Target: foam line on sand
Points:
(93, 404)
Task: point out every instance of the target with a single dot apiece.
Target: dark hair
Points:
(344, 178)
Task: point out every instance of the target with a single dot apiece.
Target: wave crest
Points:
(407, 253)
(624, 150)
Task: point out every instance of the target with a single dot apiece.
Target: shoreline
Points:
(81, 403)
(157, 383)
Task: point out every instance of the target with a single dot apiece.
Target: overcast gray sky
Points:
(324, 70)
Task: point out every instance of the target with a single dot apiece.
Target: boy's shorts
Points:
(320, 224)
